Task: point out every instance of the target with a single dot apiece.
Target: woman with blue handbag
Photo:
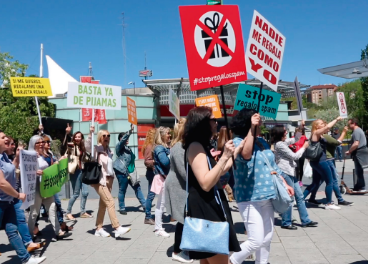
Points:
(254, 187)
(208, 232)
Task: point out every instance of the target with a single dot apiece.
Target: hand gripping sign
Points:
(342, 104)
(265, 51)
(213, 44)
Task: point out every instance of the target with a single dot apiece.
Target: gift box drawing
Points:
(213, 25)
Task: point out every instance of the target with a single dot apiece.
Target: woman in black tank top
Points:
(199, 128)
(321, 169)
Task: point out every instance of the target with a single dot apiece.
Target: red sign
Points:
(184, 110)
(100, 115)
(213, 45)
(142, 130)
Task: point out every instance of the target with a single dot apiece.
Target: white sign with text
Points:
(28, 169)
(342, 104)
(96, 96)
(265, 51)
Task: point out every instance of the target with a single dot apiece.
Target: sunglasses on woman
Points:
(106, 136)
(42, 142)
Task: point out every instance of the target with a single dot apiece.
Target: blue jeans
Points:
(123, 185)
(321, 172)
(151, 195)
(59, 210)
(300, 203)
(338, 153)
(78, 186)
(22, 223)
(9, 218)
(335, 181)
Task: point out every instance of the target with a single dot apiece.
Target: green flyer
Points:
(53, 178)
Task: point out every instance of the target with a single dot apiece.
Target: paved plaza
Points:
(341, 237)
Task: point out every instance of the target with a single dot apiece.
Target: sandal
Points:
(70, 217)
(85, 215)
(39, 245)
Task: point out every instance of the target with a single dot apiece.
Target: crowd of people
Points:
(193, 175)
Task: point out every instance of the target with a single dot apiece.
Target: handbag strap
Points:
(267, 161)
(217, 197)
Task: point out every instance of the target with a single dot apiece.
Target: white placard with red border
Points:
(265, 51)
(214, 45)
(342, 104)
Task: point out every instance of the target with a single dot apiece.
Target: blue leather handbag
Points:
(202, 235)
(282, 200)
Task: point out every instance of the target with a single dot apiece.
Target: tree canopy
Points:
(18, 115)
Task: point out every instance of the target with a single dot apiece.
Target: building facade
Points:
(319, 93)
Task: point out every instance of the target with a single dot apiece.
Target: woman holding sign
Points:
(124, 166)
(254, 187)
(8, 193)
(104, 155)
(206, 199)
(36, 143)
(77, 155)
(21, 218)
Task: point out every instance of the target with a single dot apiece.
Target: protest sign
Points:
(30, 86)
(96, 96)
(174, 104)
(28, 169)
(265, 51)
(132, 111)
(213, 45)
(53, 178)
(299, 99)
(210, 101)
(248, 97)
(342, 104)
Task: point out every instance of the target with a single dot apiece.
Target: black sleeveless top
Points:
(203, 205)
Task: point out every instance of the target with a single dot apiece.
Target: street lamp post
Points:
(132, 83)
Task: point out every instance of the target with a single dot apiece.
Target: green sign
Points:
(53, 178)
(214, 2)
(248, 97)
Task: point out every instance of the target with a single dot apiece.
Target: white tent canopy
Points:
(59, 78)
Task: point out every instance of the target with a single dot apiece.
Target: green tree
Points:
(364, 83)
(18, 114)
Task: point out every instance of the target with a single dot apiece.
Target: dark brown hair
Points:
(354, 121)
(81, 145)
(198, 127)
(223, 138)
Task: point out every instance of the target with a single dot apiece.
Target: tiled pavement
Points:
(341, 237)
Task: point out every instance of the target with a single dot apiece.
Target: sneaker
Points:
(346, 203)
(149, 221)
(181, 257)
(315, 202)
(35, 260)
(162, 233)
(332, 207)
(123, 212)
(121, 231)
(101, 233)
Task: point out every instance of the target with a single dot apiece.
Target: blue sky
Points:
(74, 33)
